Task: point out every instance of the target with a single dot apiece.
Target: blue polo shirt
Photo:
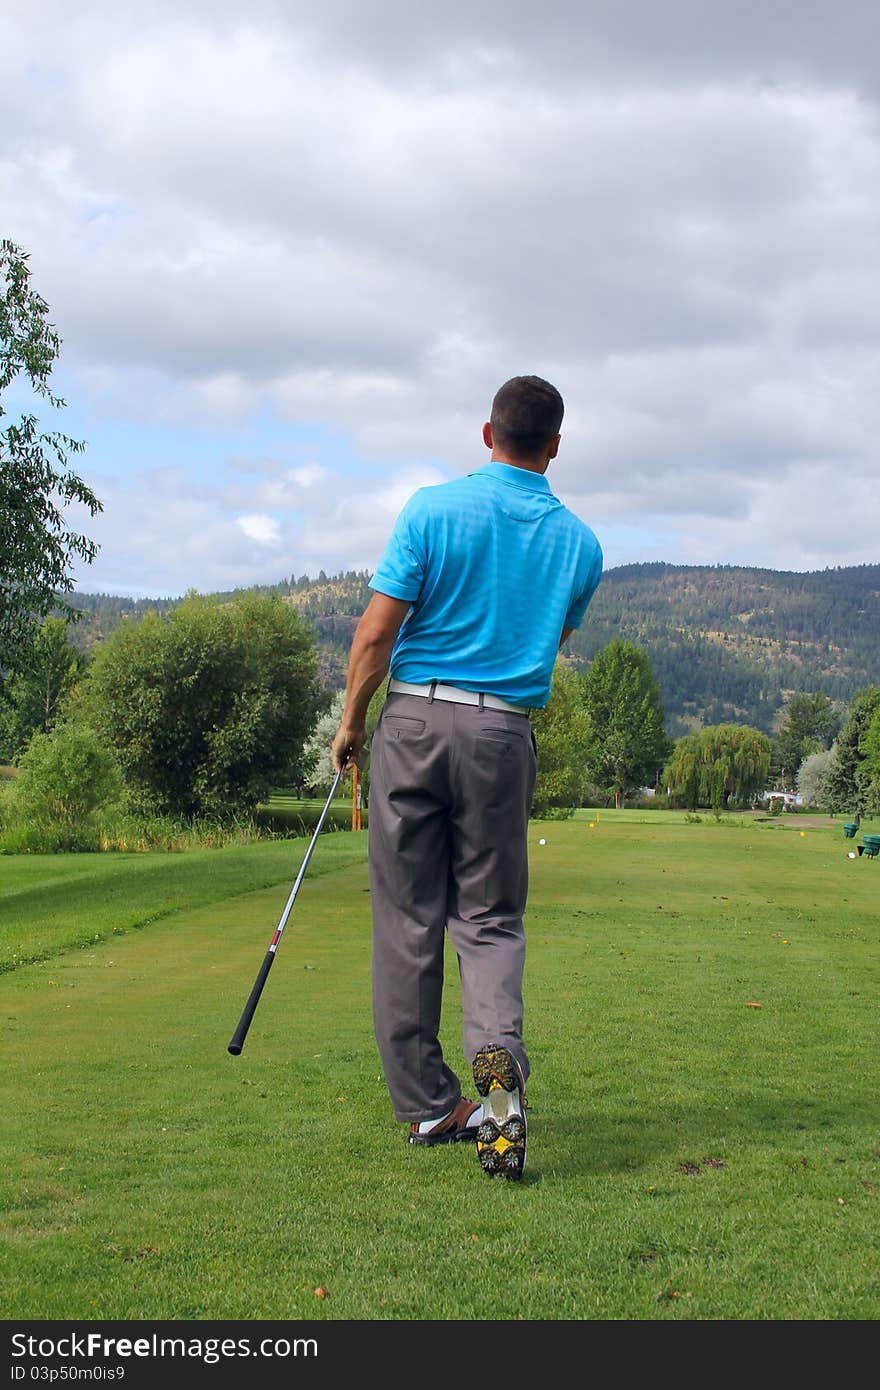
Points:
(494, 566)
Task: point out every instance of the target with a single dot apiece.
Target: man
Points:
(480, 584)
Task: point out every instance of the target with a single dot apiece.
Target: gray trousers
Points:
(450, 792)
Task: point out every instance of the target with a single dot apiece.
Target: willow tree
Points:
(718, 765)
(681, 776)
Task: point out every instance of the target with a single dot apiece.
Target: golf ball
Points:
(542, 842)
(852, 854)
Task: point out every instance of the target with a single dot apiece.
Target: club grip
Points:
(244, 1022)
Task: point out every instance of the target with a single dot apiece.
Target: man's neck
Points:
(530, 465)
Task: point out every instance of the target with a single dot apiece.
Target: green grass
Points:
(689, 1157)
(56, 902)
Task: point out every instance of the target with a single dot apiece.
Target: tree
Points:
(208, 706)
(808, 724)
(317, 762)
(627, 743)
(32, 698)
(683, 773)
(813, 777)
(318, 771)
(713, 766)
(37, 548)
(847, 783)
(562, 734)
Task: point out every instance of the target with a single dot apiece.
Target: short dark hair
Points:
(526, 414)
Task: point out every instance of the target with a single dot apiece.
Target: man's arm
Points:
(368, 661)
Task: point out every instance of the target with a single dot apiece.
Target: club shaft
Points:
(305, 864)
(244, 1023)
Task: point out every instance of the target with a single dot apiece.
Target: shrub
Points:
(658, 802)
(20, 836)
(63, 779)
(552, 813)
(131, 832)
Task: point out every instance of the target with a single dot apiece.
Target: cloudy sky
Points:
(293, 249)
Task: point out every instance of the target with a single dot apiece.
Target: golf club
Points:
(244, 1022)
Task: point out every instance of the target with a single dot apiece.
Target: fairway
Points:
(701, 1015)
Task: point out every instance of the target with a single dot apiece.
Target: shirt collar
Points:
(516, 477)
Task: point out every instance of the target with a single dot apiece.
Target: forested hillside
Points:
(726, 643)
(730, 644)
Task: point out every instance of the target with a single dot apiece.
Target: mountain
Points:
(731, 644)
(727, 643)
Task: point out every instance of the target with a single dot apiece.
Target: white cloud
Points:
(162, 533)
(364, 218)
(309, 475)
(389, 500)
(265, 530)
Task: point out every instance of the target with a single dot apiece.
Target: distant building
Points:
(787, 798)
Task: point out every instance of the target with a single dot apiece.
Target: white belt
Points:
(454, 695)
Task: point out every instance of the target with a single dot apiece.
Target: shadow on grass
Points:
(602, 1142)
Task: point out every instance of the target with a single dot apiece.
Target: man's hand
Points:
(348, 744)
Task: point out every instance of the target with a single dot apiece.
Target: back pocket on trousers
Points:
(399, 727)
(495, 737)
